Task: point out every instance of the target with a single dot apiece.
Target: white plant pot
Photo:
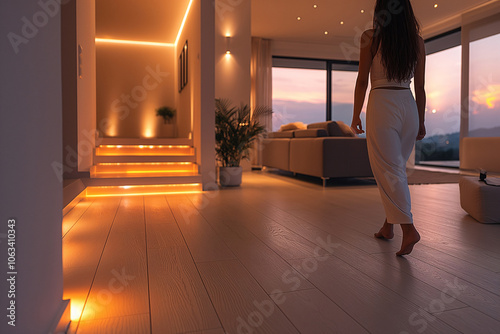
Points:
(230, 176)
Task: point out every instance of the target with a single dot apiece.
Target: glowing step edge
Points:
(143, 190)
(138, 169)
(138, 150)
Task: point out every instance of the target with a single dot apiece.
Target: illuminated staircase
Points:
(128, 167)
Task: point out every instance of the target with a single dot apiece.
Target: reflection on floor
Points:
(278, 255)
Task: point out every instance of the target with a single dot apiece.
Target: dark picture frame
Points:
(183, 67)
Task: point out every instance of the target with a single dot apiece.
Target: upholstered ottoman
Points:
(480, 200)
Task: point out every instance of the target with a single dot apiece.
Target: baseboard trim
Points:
(63, 320)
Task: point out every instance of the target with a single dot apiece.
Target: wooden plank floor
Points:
(278, 255)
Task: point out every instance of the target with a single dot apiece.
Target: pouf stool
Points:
(480, 200)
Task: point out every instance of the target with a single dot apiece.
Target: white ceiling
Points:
(159, 20)
(277, 19)
(147, 20)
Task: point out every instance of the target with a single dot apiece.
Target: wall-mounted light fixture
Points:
(228, 44)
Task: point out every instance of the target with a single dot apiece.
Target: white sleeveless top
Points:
(378, 77)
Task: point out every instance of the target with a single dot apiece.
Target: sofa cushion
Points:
(293, 126)
(280, 134)
(276, 153)
(334, 128)
(307, 133)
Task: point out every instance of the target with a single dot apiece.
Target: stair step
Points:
(145, 141)
(148, 169)
(143, 190)
(147, 158)
(144, 150)
(139, 181)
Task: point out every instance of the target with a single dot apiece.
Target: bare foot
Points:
(410, 238)
(386, 232)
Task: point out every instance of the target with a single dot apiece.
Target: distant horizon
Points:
(300, 94)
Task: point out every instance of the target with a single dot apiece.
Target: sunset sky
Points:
(300, 94)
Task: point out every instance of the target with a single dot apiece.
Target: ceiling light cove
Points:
(122, 41)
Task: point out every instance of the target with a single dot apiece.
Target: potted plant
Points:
(235, 131)
(167, 113)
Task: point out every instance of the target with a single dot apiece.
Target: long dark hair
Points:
(397, 35)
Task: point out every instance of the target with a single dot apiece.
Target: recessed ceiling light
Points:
(362, 11)
(435, 5)
(326, 32)
(299, 18)
(315, 6)
(341, 22)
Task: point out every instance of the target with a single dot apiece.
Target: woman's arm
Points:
(420, 96)
(365, 62)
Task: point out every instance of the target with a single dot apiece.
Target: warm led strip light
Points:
(123, 41)
(183, 22)
(143, 190)
(158, 150)
(145, 146)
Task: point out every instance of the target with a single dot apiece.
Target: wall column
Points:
(31, 173)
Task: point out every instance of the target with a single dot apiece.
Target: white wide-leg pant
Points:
(391, 130)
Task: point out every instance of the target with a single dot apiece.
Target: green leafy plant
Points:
(235, 131)
(166, 112)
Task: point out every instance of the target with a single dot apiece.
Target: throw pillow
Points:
(346, 129)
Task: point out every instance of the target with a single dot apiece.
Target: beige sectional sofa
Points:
(325, 150)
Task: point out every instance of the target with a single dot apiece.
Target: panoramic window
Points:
(484, 87)
(299, 95)
(442, 115)
(343, 84)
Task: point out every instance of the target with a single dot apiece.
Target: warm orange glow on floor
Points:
(138, 169)
(76, 310)
(144, 190)
(137, 150)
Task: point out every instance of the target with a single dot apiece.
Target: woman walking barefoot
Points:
(392, 53)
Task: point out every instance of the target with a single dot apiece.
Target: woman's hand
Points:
(421, 131)
(357, 126)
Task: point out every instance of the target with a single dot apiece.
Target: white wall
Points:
(197, 97)
(232, 72)
(86, 82)
(30, 144)
(132, 82)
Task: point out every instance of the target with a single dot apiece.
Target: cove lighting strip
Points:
(123, 41)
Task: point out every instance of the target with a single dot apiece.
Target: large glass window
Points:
(299, 95)
(484, 87)
(343, 84)
(442, 115)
